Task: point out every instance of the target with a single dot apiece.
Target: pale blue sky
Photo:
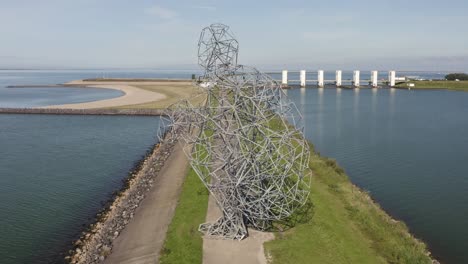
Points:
(328, 34)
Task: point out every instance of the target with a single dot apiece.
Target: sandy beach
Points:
(133, 95)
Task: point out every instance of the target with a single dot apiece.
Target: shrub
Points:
(459, 76)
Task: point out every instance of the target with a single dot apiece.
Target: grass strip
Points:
(450, 85)
(184, 243)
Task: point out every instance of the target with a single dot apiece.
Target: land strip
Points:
(142, 80)
(138, 93)
(434, 85)
(346, 226)
(142, 239)
(132, 95)
(174, 92)
(133, 228)
(98, 111)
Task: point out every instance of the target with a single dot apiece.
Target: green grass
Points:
(450, 85)
(183, 241)
(346, 227)
(343, 225)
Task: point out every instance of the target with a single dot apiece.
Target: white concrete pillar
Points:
(356, 78)
(338, 78)
(285, 77)
(320, 81)
(374, 78)
(303, 78)
(391, 78)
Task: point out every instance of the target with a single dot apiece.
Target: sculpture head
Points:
(217, 47)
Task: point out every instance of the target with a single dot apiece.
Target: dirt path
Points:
(247, 251)
(143, 237)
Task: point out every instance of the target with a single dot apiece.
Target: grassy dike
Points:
(449, 85)
(346, 226)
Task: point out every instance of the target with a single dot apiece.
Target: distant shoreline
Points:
(435, 85)
(99, 111)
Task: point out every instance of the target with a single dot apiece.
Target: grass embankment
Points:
(346, 226)
(450, 85)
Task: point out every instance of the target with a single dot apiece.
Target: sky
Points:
(327, 34)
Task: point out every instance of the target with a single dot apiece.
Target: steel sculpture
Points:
(245, 142)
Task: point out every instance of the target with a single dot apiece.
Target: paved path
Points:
(142, 239)
(247, 251)
(216, 251)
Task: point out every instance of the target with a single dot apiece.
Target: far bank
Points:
(436, 84)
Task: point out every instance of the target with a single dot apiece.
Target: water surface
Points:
(36, 97)
(408, 148)
(55, 172)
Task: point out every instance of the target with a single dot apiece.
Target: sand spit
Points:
(98, 111)
(133, 95)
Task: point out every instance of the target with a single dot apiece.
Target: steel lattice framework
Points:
(245, 143)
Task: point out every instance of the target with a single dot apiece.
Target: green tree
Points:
(459, 76)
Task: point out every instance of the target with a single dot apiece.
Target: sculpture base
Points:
(225, 228)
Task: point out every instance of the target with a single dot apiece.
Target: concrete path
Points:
(217, 251)
(142, 239)
(247, 251)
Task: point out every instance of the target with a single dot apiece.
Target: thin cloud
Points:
(161, 12)
(207, 8)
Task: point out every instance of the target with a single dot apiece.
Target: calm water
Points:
(408, 148)
(35, 97)
(55, 171)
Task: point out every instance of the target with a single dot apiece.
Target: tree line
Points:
(455, 76)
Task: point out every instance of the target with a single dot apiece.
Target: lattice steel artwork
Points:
(245, 143)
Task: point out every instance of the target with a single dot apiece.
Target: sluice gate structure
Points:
(356, 81)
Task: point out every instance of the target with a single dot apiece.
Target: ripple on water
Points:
(55, 173)
(408, 148)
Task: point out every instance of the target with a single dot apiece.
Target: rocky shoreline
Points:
(95, 244)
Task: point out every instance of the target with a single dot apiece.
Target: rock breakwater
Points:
(95, 244)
